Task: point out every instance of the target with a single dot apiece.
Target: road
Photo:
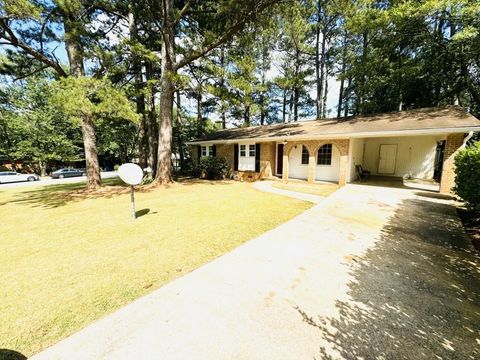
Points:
(50, 181)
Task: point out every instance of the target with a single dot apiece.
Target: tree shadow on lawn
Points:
(54, 196)
(416, 295)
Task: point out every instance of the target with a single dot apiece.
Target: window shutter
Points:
(214, 150)
(235, 157)
(199, 152)
(257, 157)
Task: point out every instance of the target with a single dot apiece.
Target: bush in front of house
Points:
(214, 168)
(467, 179)
(192, 168)
(211, 168)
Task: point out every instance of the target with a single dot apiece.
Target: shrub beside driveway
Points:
(70, 257)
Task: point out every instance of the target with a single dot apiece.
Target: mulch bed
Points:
(471, 222)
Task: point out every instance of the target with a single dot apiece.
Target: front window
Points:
(324, 156)
(251, 150)
(207, 150)
(304, 155)
(243, 151)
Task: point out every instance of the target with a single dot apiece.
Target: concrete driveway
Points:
(370, 272)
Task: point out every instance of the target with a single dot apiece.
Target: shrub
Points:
(215, 168)
(211, 168)
(191, 167)
(467, 179)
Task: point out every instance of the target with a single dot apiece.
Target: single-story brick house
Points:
(415, 143)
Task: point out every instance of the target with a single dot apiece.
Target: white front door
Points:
(387, 159)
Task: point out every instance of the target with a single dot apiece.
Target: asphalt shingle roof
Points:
(418, 119)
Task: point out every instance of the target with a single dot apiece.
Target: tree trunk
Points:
(342, 81)
(262, 109)
(325, 97)
(180, 131)
(164, 162)
(295, 103)
(296, 90)
(400, 79)
(359, 108)
(42, 168)
(224, 119)
(152, 124)
(284, 106)
(143, 142)
(200, 125)
(290, 107)
(167, 90)
(222, 86)
(340, 98)
(91, 154)
(318, 82)
(246, 116)
(321, 79)
(75, 57)
(347, 97)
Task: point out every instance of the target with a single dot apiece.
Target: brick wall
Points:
(453, 143)
(267, 159)
(267, 163)
(226, 151)
(194, 149)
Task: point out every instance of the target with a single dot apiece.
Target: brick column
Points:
(311, 169)
(454, 141)
(343, 144)
(285, 168)
(342, 178)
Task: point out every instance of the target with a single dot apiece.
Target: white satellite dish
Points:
(132, 174)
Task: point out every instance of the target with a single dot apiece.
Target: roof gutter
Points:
(332, 136)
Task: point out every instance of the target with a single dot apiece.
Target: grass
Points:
(321, 189)
(69, 256)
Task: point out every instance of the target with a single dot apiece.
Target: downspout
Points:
(467, 138)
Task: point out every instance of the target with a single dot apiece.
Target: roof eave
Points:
(432, 131)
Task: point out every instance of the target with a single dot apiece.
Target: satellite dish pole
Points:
(132, 201)
(132, 175)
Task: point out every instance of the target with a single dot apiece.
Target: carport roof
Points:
(433, 120)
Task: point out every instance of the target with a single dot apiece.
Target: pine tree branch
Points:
(10, 37)
(227, 35)
(32, 73)
(183, 11)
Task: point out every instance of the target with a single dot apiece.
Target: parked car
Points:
(13, 176)
(67, 172)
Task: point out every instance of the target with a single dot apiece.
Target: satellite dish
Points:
(132, 174)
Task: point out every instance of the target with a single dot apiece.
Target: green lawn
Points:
(69, 257)
(321, 189)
